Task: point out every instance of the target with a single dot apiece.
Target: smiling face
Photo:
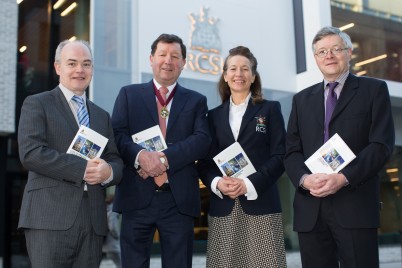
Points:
(75, 67)
(332, 66)
(167, 63)
(239, 75)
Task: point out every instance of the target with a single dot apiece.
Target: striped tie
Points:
(82, 113)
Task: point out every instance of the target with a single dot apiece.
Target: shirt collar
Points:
(241, 104)
(341, 79)
(68, 94)
(170, 88)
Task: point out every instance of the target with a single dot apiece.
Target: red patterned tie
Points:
(162, 124)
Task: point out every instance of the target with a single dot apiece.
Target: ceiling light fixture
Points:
(69, 9)
(371, 60)
(58, 4)
(347, 26)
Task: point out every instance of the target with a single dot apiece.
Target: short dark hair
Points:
(169, 38)
(255, 88)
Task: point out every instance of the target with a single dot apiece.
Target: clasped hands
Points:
(232, 187)
(97, 171)
(151, 164)
(322, 185)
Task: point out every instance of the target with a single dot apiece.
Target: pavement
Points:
(390, 257)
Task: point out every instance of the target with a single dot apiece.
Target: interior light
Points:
(72, 38)
(391, 170)
(394, 179)
(347, 26)
(69, 9)
(58, 4)
(371, 60)
(22, 49)
(361, 73)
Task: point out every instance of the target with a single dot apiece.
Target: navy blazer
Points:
(363, 119)
(187, 138)
(262, 137)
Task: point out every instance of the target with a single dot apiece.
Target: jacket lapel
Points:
(178, 102)
(223, 119)
(149, 101)
(64, 109)
(248, 116)
(347, 93)
(316, 104)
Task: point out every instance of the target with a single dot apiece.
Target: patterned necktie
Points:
(162, 121)
(82, 112)
(162, 124)
(329, 107)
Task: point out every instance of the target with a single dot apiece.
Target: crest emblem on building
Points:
(204, 32)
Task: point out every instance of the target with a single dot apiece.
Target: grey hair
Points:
(57, 56)
(329, 30)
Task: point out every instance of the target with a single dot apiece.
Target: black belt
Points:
(163, 188)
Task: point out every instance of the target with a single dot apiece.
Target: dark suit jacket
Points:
(363, 119)
(55, 185)
(187, 138)
(262, 137)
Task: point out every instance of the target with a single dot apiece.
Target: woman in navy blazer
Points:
(245, 226)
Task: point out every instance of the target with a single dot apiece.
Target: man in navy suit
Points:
(160, 190)
(337, 215)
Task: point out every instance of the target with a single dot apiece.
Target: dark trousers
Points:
(176, 232)
(77, 247)
(330, 245)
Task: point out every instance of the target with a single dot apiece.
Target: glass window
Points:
(376, 29)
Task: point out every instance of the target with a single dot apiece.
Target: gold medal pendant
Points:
(164, 112)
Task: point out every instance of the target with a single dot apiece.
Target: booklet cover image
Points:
(331, 156)
(153, 144)
(234, 165)
(85, 147)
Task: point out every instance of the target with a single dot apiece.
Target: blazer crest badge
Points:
(260, 124)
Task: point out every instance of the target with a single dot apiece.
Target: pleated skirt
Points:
(246, 241)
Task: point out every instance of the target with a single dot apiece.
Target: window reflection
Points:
(376, 32)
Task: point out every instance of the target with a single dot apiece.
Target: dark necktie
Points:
(162, 124)
(329, 108)
(82, 112)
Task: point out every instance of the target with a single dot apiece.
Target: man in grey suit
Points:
(63, 212)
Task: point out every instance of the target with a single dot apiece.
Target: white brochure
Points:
(87, 143)
(332, 157)
(233, 162)
(150, 139)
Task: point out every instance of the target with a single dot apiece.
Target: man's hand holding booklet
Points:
(330, 158)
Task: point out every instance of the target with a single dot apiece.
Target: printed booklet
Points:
(150, 139)
(87, 143)
(233, 162)
(332, 157)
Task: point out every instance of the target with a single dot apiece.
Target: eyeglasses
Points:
(335, 51)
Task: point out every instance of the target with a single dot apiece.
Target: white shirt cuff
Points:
(251, 192)
(214, 188)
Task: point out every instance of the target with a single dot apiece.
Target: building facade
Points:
(279, 34)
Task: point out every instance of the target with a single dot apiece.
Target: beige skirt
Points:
(241, 241)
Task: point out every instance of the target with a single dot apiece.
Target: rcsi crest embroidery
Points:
(261, 124)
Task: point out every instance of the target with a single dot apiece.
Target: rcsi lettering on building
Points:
(205, 45)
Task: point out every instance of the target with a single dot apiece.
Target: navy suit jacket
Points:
(262, 137)
(363, 119)
(187, 138)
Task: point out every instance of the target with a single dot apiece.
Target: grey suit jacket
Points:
(55, 185)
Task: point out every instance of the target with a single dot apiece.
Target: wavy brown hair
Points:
(255, 88)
